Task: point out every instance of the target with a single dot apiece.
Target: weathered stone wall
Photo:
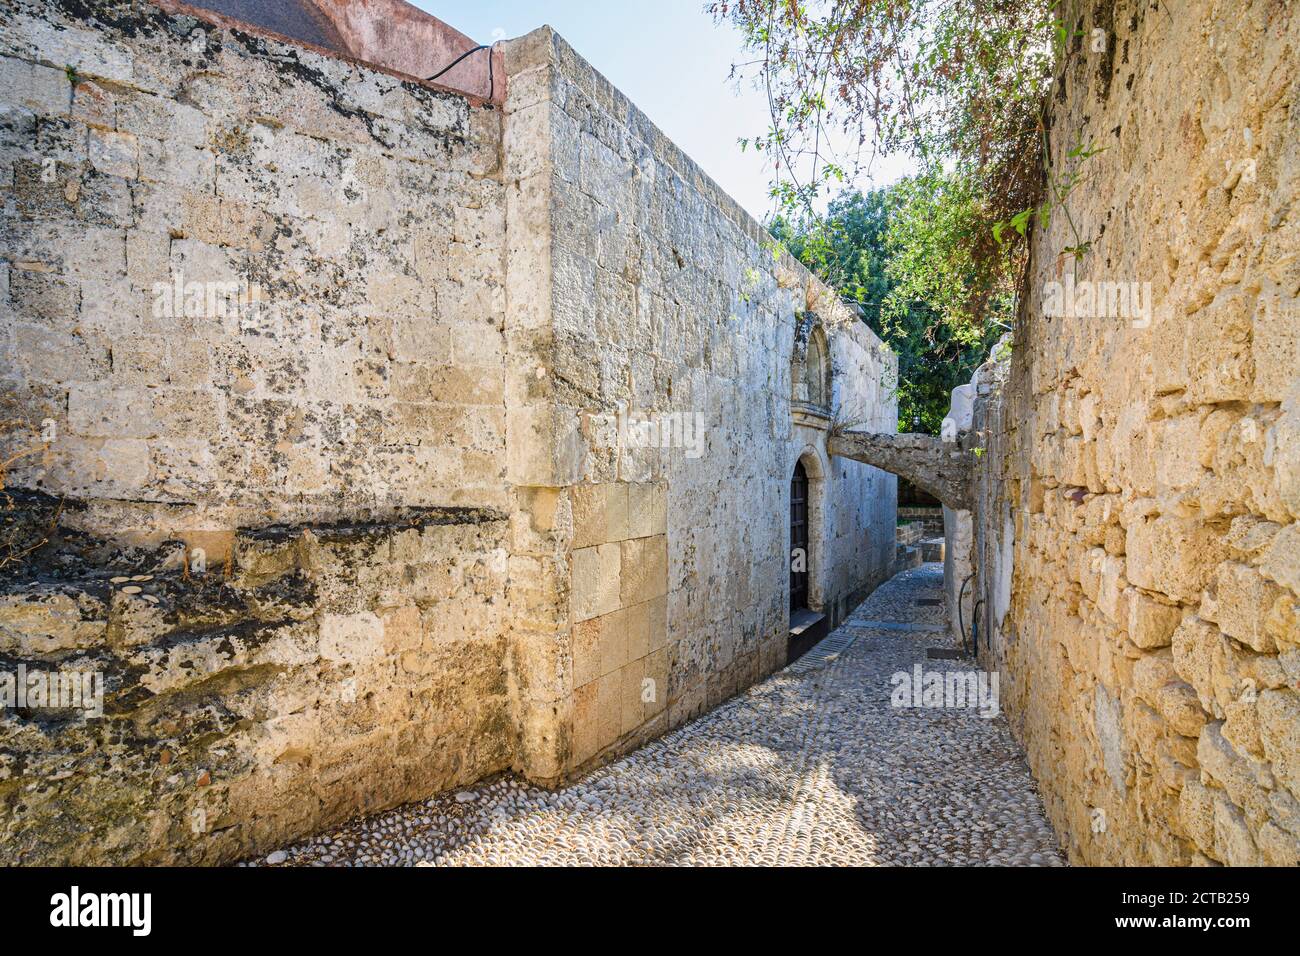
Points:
(333, 670)
(362, 217)
(667, 311)
(1136, 529)
(328, 428)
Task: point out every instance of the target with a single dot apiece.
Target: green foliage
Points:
(957, 84)
(845, 248)
(901, 253)
(942, 254)
(961, 87)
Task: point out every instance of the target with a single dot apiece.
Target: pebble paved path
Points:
(813, 766)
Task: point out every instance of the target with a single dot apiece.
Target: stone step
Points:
(932, 549)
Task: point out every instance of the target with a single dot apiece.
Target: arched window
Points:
(816, 370)
(810, 368)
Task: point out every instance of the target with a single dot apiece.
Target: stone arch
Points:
(941, 468)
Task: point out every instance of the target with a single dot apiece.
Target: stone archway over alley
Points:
(812, 766)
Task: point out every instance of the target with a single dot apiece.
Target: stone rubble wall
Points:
(667, 304)
(359, 375)
(1136, 531)
(320, 678)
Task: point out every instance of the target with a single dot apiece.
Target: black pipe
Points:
(475, 49)
(961, 623)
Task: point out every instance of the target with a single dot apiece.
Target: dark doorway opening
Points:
(807, 627)
(799, 538)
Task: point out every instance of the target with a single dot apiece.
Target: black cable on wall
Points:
(475, 49)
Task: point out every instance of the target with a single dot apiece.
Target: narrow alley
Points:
(812, 766)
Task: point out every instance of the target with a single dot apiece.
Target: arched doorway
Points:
(799, 538)
(807, 625)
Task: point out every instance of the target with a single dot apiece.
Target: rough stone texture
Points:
(811, 767)
(262, 296)
(318, 678)
(662, 302)
(938, 467)
(364, 215)
(355, 373)
(1136, 522)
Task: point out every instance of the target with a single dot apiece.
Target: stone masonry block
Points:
(654, 696)
(351, 638)
(588, 515)
(613, 642)
(609, 709)
(1275, 344)
(1151, 623)
(1279, 730)
(117, 154)
(1244, 599)
(632, 710)
(595, 585)
(616, 510)
(1219, 362)
(586, 721)
(41, 89)
(647, 509)
(636, 619)
(658, 623)
(644, 569)
(586, 651)
(1171, 555)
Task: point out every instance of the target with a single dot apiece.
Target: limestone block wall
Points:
(1137, 533)
(656, 359)
(248, 282)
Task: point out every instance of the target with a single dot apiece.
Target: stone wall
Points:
(336, 235)
(658, 363)
(328, 671)
(258, 294)
(1136, 532)
(329, 372)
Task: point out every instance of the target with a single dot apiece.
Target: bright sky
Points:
(670, 59)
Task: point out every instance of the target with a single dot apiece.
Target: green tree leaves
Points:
(904, 254)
